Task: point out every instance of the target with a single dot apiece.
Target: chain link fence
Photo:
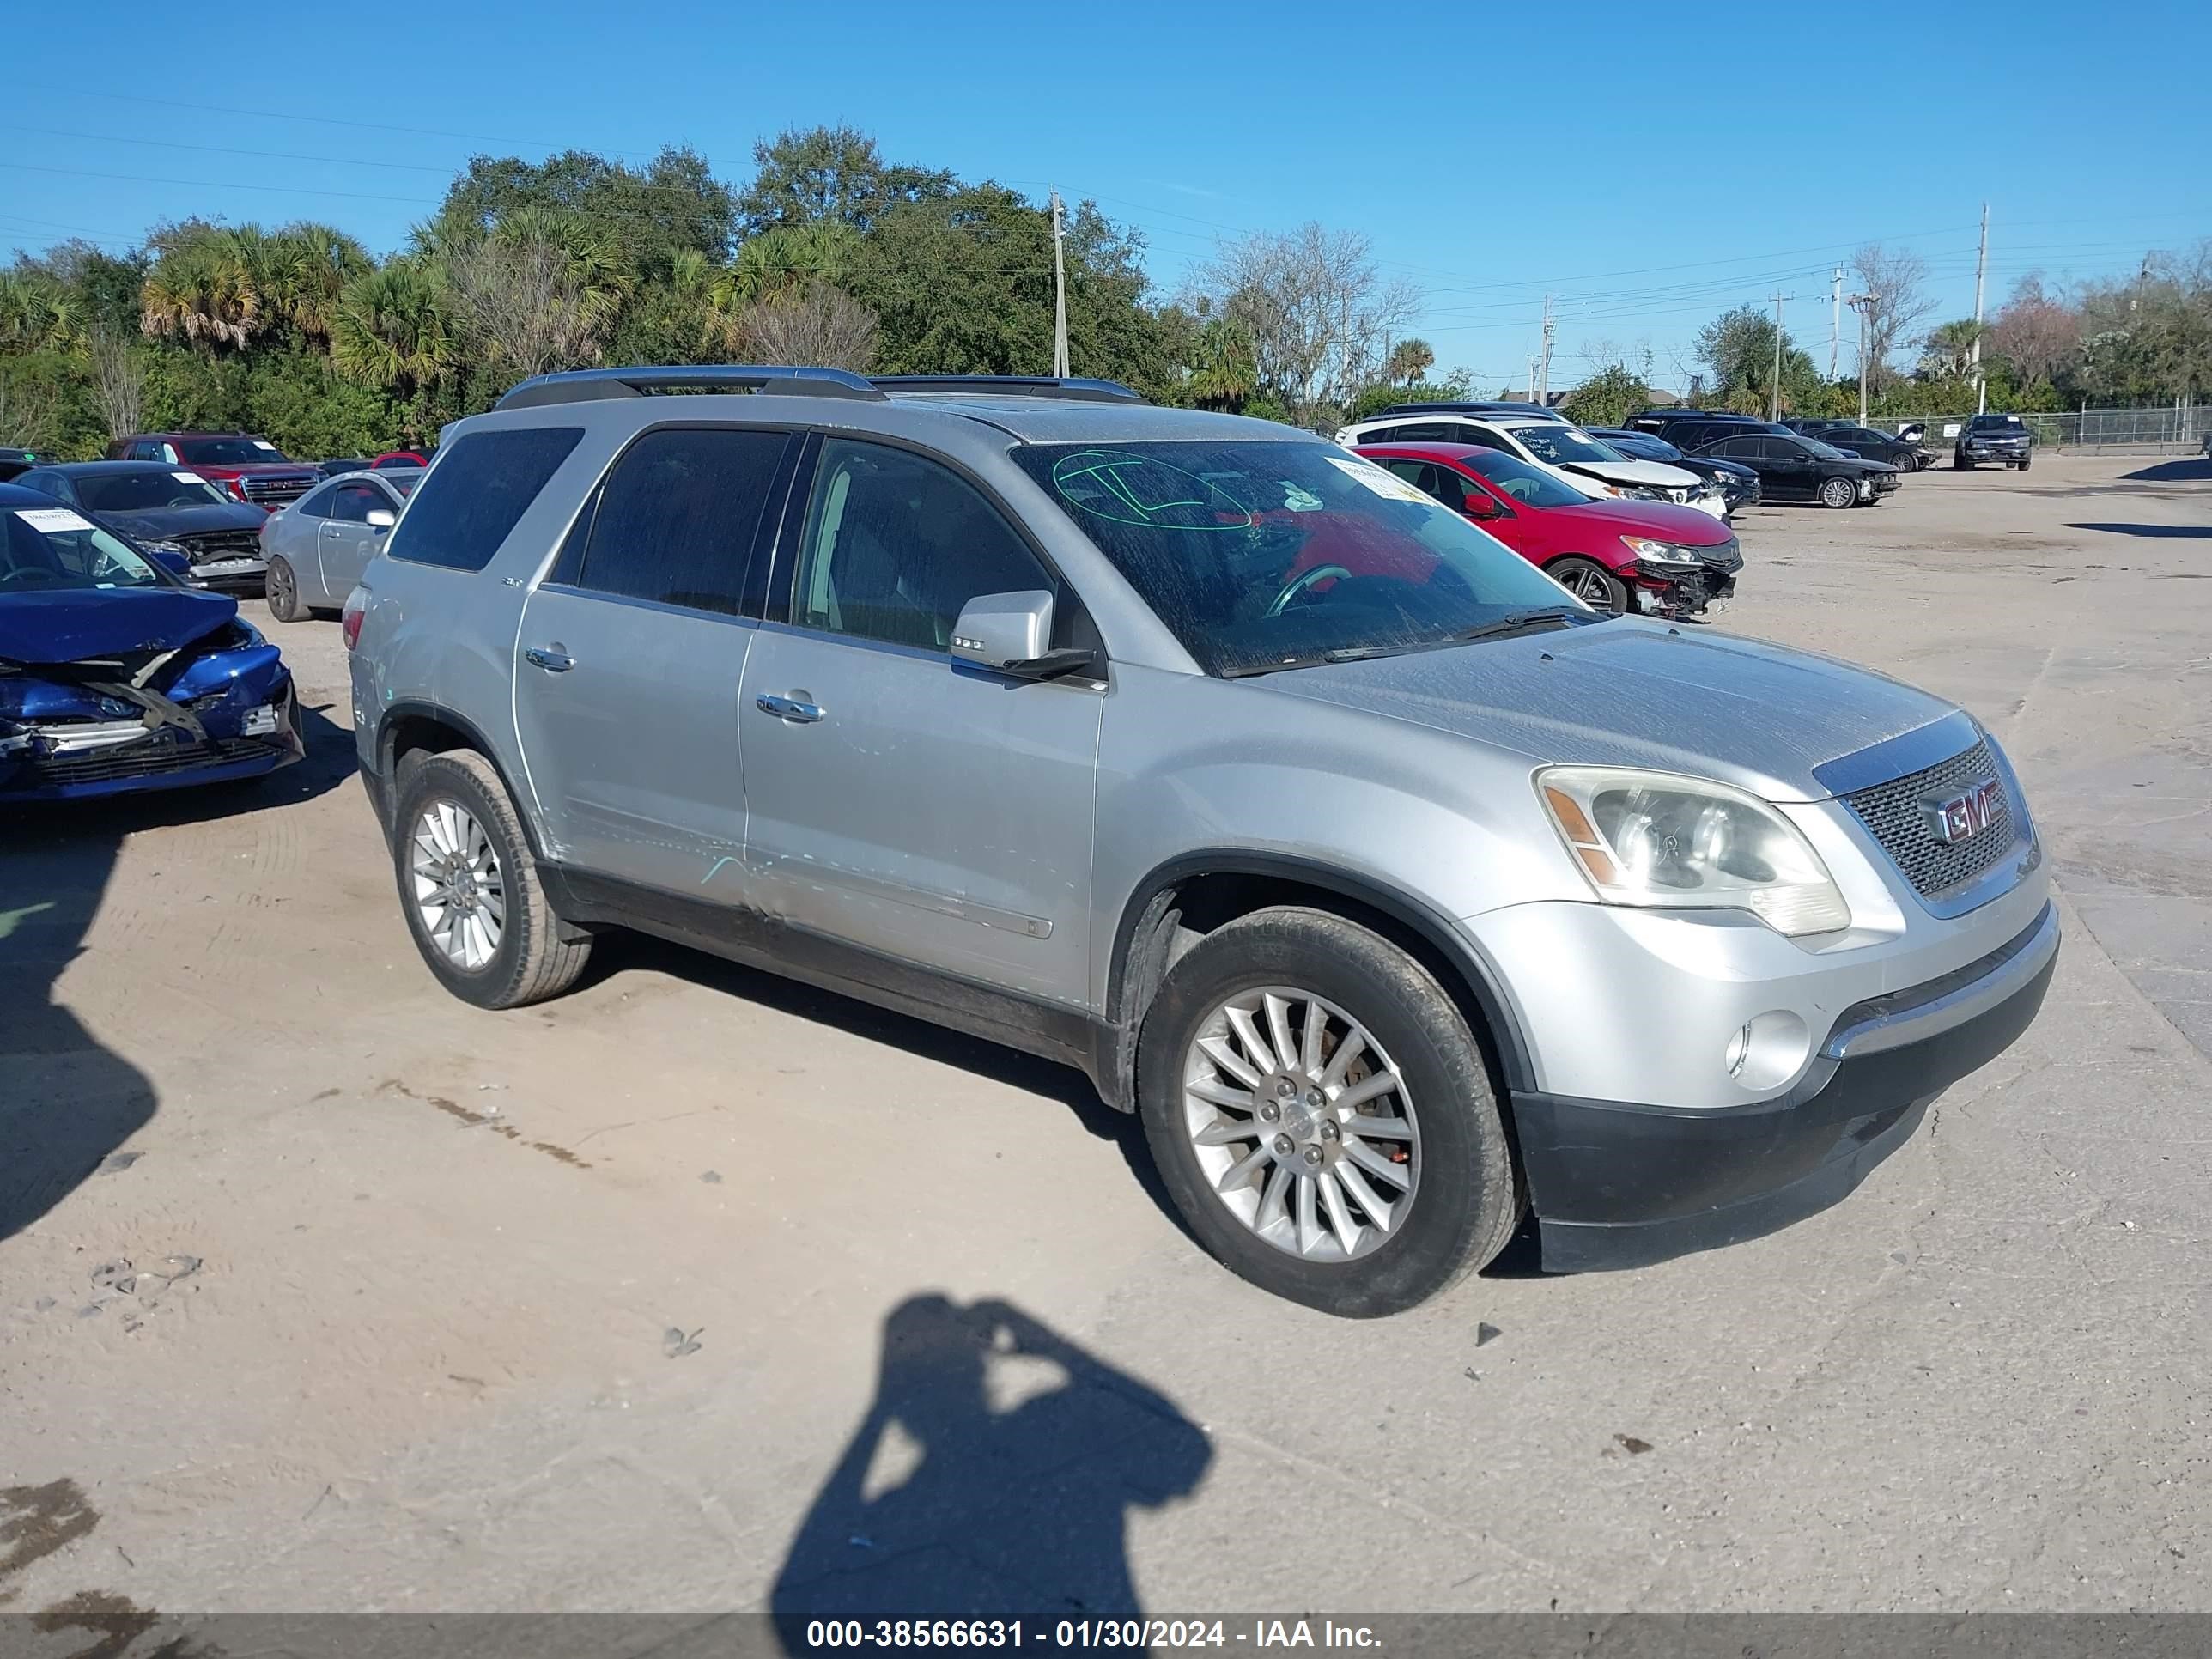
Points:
(2176, 429)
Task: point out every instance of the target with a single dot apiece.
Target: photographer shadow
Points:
(993, 1477)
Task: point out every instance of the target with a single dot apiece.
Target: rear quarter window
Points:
(467, 507)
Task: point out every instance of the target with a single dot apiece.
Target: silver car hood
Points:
(1632, 693)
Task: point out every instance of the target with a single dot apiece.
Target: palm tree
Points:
(388, 327)
(303, 270)
(1224, 372)
(788, 258)
(38, 313)
(204, 285)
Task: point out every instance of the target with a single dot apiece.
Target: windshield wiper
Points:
(1521, 622)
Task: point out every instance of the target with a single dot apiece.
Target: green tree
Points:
(1608, 397)
(673, 203)
(833, 173)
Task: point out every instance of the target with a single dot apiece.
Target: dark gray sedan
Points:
(169, 512)
(318, 546)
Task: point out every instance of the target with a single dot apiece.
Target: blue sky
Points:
(1648, 164)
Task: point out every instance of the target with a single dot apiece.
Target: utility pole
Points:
(1532, 380)
(1060, 368)
(1836, 322)
(1981, 270)
(1544, 381)
(1774, 390)
(1862, 304)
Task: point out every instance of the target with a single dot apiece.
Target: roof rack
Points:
(583, 385)
(1493, 406)
(1075, 389)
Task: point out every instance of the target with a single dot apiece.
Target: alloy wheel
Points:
(460, 896)
(284, 593)
(1302, 1124)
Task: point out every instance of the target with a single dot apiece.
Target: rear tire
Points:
(497, 945)
(1839, 492)
(280, 586)
(1590, 582)
(1961, 464)
(1462, 1201)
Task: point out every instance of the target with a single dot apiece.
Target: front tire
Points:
(1321, 1115)
(470, 889)
(280, 586)
(1590, 582)
(1961, 464)
(1839, 492)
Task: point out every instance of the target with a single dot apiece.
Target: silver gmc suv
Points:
(1400, 893)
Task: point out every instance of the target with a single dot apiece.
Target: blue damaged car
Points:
(115, 677)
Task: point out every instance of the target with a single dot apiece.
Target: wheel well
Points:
(1191, 906)
(412, 734)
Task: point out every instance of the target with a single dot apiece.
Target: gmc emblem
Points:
(1954, 818)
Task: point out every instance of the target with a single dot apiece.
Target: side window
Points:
(315, 504)
(466, 508)
(1738, 449)
(1781, 449)
(352, 502)
(1411, 471)
(677, 519)
(1471, 434)
(896, 544)
(1381, 434)
(1447, 486)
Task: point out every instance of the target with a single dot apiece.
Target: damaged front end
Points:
(155, 716)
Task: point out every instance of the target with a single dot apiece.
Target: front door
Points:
(629, 661)
(344, 544)
(929, 812)
(1786, 468)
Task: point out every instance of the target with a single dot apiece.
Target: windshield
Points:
(1551, 442)
(1260, 555)
(227, 452)
(142, 492)
(1825, 452)
(43, 548)
(1642, 446)
(1524, 482)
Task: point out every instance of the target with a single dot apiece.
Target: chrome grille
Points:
(1896, 815)
(263, 491)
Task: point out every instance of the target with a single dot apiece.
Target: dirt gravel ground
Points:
(319, 1289)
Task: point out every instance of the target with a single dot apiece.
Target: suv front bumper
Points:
(1616, 1185)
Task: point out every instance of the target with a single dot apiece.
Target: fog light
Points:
(1767, 1050)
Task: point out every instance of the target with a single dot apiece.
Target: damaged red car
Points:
(115, 677)
(1650, 557)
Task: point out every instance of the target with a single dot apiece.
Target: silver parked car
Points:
(318, 547)
(1400, 893)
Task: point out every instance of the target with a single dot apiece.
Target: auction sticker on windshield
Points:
(1388, 485)
(188, 477)
(52, 520)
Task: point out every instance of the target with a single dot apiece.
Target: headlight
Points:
(177, 548)
(1662, 841)
(1660, 552)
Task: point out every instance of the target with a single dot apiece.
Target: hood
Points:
(1659, 520)
(252, 470)
(155, 523)
(1633, 693)
(59, 627)
(1656, 475)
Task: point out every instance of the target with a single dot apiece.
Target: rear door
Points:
(629, 656)
(929, 812)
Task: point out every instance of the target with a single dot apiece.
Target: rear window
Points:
(479, 493)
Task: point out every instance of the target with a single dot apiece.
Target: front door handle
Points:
(550, 657)
(796, 708)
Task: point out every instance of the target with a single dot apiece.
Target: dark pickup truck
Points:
(1992, 438)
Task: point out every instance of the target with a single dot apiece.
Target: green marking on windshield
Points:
(1145, 491)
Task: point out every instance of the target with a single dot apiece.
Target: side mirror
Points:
(381, 518)
(1012, 633)
(1482, 507)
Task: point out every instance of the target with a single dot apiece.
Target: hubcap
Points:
(1302, 1124)
(460, 896)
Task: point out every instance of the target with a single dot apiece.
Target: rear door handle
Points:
(795, 708)
(550, 657)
